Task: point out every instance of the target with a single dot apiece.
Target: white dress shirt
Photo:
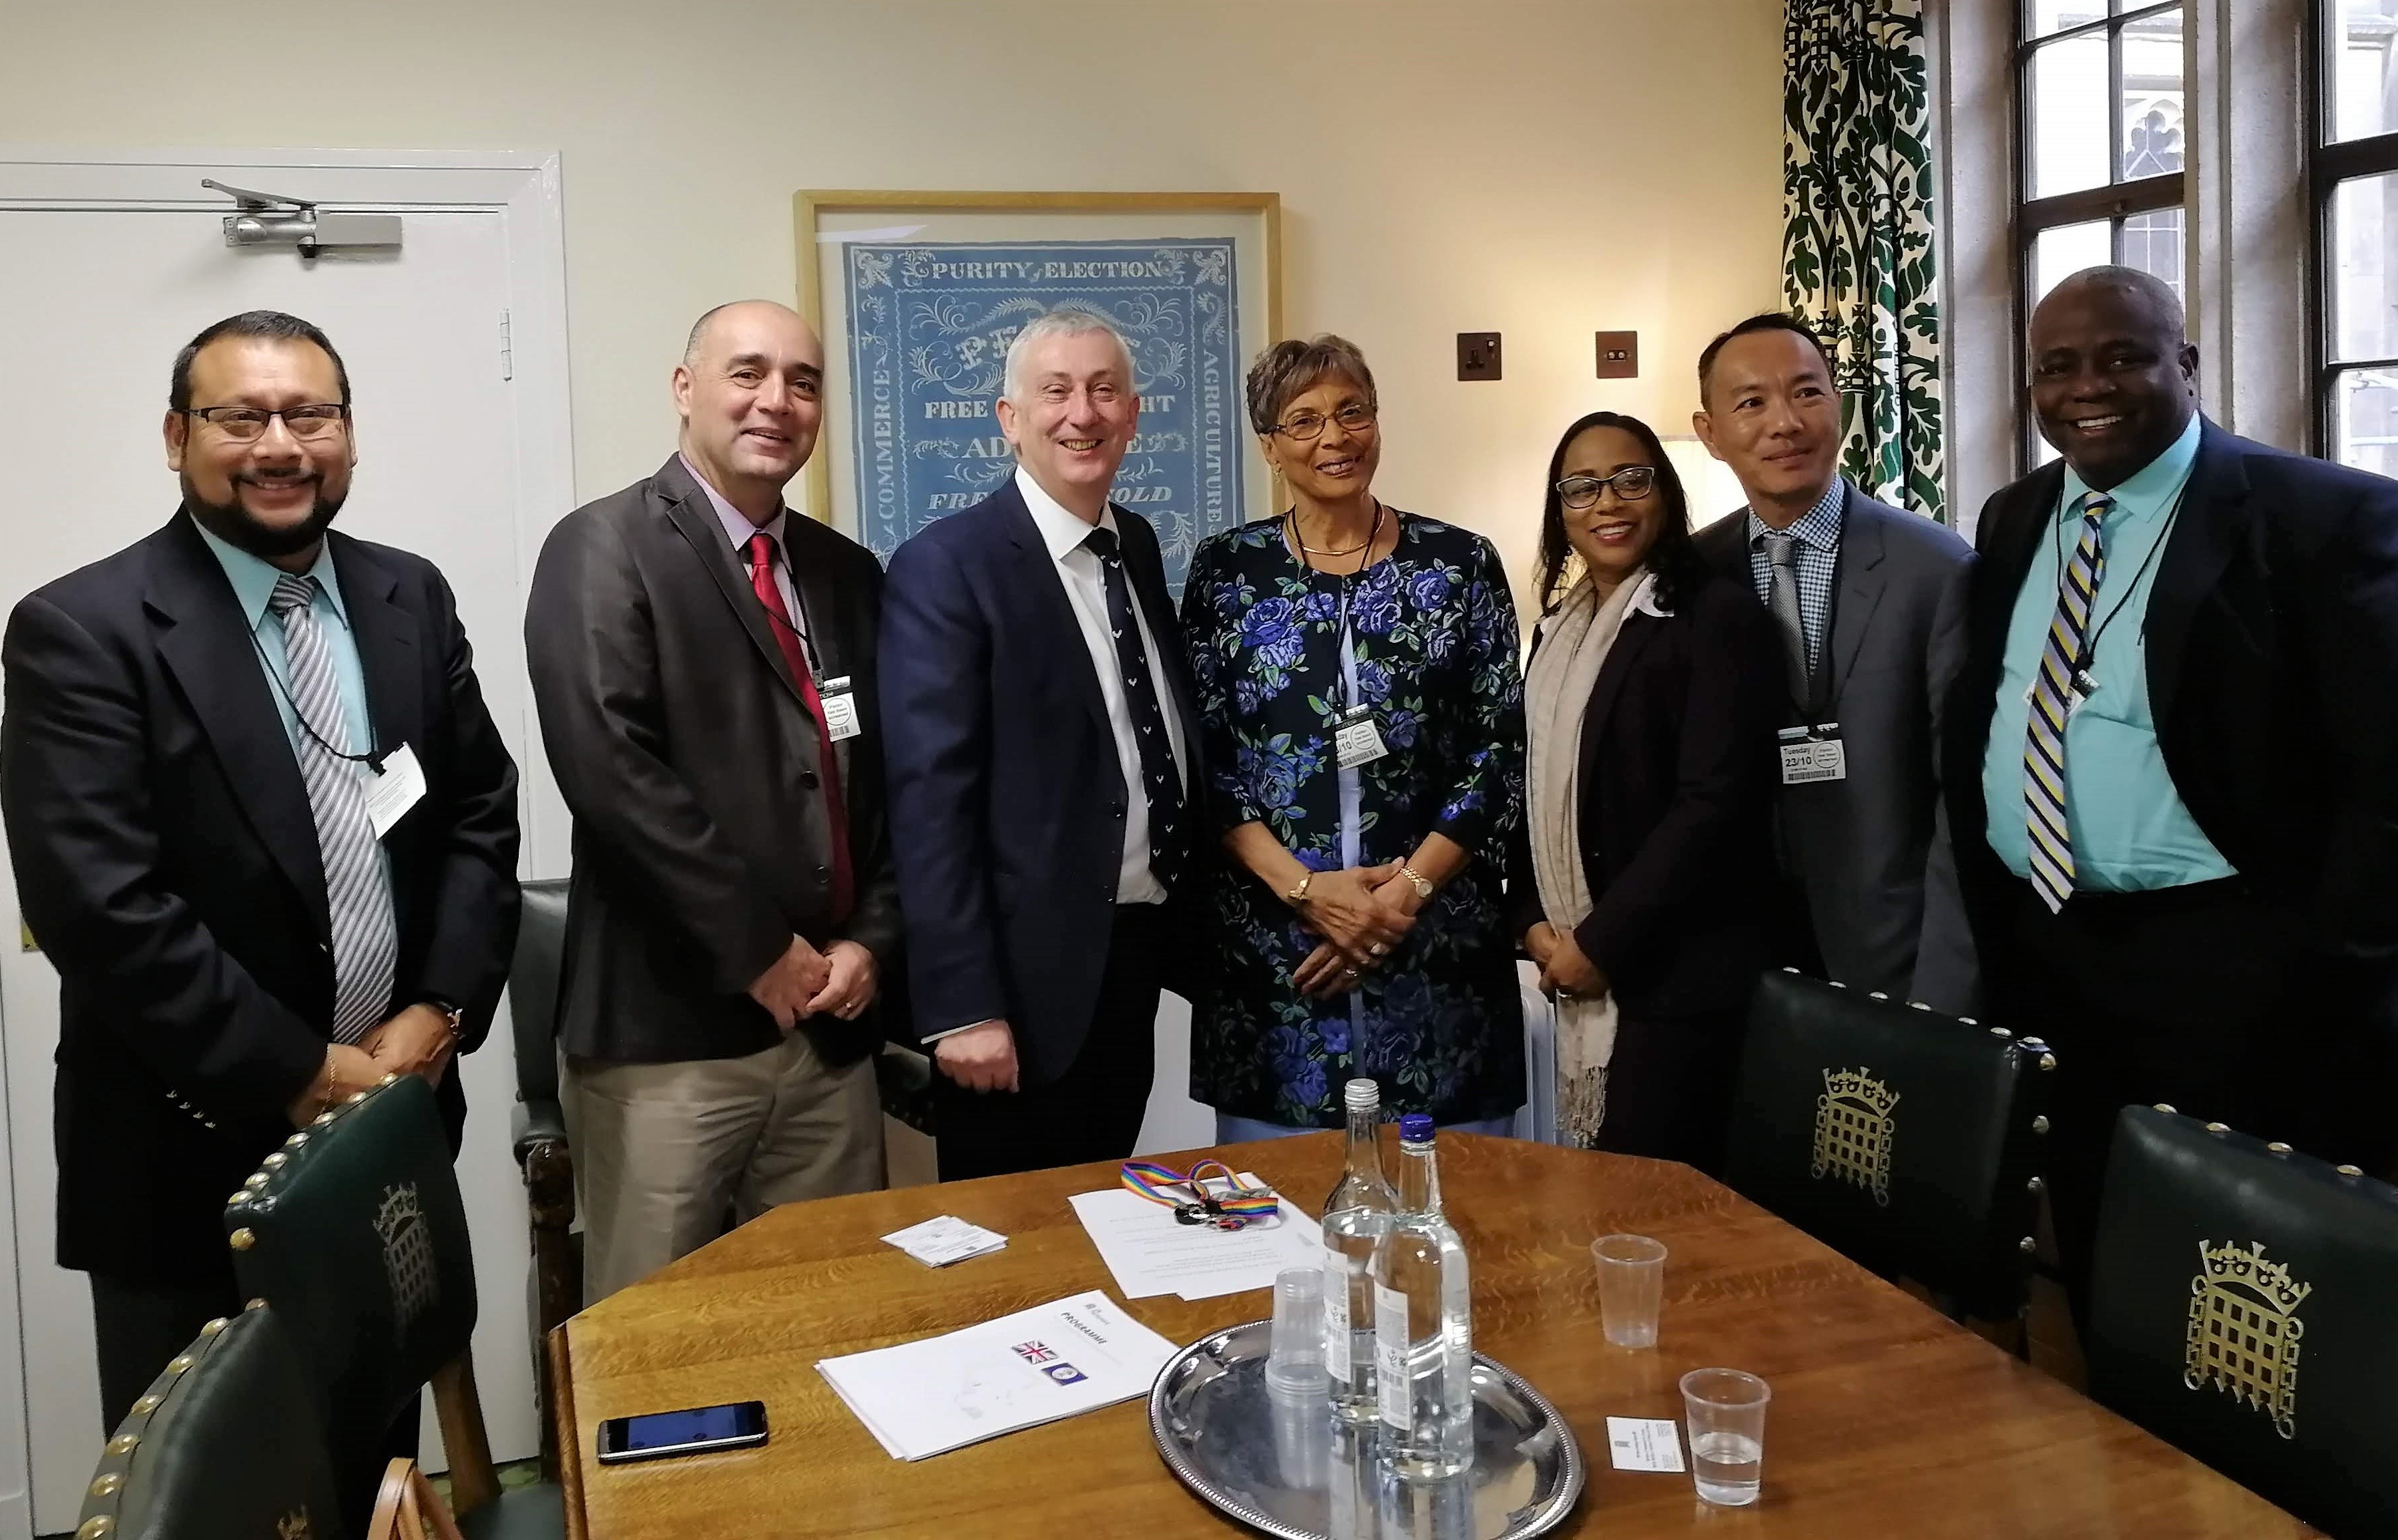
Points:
(1078, 569)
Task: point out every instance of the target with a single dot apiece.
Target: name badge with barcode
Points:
(1814, 757)
(840, 709)
(1357, 740)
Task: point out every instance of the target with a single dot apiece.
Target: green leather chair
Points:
(1906, 1139)
(355, 1234)
(537, 1130)
(2245, 1307)
(222, 1446)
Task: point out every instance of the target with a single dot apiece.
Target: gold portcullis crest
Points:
(1854, 1130)
(2245, 1331)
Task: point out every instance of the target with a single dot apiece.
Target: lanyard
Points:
(1348, 581)
(2089, 653)
(371, 761)
(1235, 1209)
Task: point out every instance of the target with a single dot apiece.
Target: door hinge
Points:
(508, 350)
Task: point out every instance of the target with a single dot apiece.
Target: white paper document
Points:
(1151, 1252)
(1644, 1443)
(1057, 1360)
(940, 1241)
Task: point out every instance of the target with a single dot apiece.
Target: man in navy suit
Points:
(2181, 696)
(1040, 753)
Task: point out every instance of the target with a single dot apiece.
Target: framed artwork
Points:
(917, 296)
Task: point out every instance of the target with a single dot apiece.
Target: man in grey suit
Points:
(703, 663)
(1870, 604)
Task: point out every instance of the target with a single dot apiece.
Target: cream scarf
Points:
(1556, 692)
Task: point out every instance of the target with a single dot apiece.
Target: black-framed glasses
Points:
(244, 424)
(1632, 483)
(1306, 427)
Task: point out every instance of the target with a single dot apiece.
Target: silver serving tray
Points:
(1289, 1469)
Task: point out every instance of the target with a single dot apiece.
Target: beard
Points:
(235, 526)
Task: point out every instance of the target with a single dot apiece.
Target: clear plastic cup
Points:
(1631, 1287)
(1295, 1352)
(1725, 1411)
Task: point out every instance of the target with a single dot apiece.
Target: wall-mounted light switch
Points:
(1619, 354)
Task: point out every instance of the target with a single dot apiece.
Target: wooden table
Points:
(1887, 1419)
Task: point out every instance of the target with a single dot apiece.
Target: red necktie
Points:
(778, 620)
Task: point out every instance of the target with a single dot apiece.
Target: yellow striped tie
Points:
(2060, 658)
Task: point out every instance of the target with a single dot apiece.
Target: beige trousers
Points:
(668, 1156)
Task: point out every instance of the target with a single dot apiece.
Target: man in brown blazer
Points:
(702, 659)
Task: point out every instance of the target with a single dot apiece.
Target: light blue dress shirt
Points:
(253, 584)
(2130, 831)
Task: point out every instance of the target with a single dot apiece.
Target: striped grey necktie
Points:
(365, 944)
(1782, 603)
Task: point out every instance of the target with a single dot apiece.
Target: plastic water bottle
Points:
(1355, 1217)
(1423, 1322)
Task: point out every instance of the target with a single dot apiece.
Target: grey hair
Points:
(1065, 321)
(1290, 368)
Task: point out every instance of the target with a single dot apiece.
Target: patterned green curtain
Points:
(1857, 242)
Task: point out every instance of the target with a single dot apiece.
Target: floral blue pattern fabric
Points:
(1433, 635)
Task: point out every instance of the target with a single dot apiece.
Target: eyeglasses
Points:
(1307, 426)
(243, 423)
(1632, 483)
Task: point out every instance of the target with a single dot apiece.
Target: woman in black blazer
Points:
(1637, 884)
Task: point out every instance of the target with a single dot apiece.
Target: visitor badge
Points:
(840, 709)
(1355, 739)
(393, 790)
(1812, 754)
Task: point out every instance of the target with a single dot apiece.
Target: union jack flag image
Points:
(1035, 1352)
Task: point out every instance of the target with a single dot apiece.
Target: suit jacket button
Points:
(823, 872)
(808, 780)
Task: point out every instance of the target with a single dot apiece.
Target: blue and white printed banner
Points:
(928, 329)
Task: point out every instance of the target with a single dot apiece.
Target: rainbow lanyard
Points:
(1237, 1209)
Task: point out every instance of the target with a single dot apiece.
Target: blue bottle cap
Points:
(1416, 1127)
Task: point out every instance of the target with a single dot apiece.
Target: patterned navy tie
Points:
(365, 939)
(1157, 766)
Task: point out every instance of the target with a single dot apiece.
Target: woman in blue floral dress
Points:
(1363, 727)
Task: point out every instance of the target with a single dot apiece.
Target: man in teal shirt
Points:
(2181, 689)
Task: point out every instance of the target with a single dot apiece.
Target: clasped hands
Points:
(1564, 967)
(838, 981)
(1361, 914)
(416, 1041)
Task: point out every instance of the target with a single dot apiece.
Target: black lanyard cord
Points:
(372, 762)
(2089, 650)
(1341, 633)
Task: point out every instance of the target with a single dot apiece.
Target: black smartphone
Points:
(661, 1435)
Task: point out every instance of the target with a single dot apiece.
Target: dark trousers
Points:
(1669, 1086)
(2204, 999)
(1094, 1111)
(140, 1328)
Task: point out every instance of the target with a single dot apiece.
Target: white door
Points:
(94, 304)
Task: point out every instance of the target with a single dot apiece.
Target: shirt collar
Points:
(253, 577)
(737, 527)
(1819, 526)
(1062, 532)
(2151, 489)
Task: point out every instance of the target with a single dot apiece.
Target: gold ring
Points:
(1379, 949)
(1350, 971)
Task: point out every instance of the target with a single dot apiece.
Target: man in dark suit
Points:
(1043, 795)
(705, 665)
(2181, 696)
(1869, 603)
(261, 824)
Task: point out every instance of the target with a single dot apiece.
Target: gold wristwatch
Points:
(1416, 879)
(1298, 896)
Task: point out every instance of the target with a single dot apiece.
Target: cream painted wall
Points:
(1540, 168)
